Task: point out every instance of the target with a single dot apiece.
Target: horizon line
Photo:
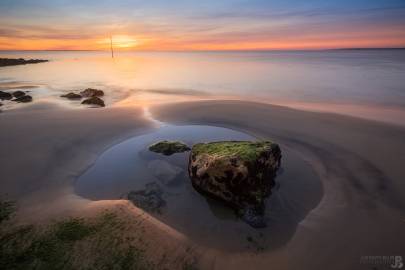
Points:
(242, 50)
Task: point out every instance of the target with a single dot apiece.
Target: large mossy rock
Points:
(239, 173)
(169, 147)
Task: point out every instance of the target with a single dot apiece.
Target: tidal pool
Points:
(130, 166)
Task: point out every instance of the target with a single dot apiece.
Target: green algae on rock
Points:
(169, 147)
(240, 173)
(244, 149)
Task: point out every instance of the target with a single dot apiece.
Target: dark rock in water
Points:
(94, 101)
(20, 61)
(18, 94)
(149, 199)
(72, 96)
(23, 99)
(90, 92)
(5, 95)
(168, 147)
(239, 173)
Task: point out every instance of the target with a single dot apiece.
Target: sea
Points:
(366, 83)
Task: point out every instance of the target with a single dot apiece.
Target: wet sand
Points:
(44, 148)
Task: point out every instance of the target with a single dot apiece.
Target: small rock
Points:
(149, 199)
(94, 101)
(18, 94)
(23, 99)
(169, 147)
(72, 95)
(5, 95)
(90, 92)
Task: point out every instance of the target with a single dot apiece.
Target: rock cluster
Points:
(19, 96)
(239, 173)
(92, 97)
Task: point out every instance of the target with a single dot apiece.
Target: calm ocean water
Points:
(369, 83)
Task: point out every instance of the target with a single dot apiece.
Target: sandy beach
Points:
(359, 162)
(202, 135)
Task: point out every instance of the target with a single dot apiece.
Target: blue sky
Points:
(181, 24)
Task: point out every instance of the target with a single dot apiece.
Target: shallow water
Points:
(369, 83)
(130, 166)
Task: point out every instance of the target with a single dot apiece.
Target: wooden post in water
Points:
(111, 45)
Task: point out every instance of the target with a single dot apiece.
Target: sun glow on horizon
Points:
(120, 41)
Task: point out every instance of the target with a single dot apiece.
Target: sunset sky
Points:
(200, 25)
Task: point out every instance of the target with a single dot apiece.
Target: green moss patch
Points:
(72, 243)
(243, 149)
(73, 229)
